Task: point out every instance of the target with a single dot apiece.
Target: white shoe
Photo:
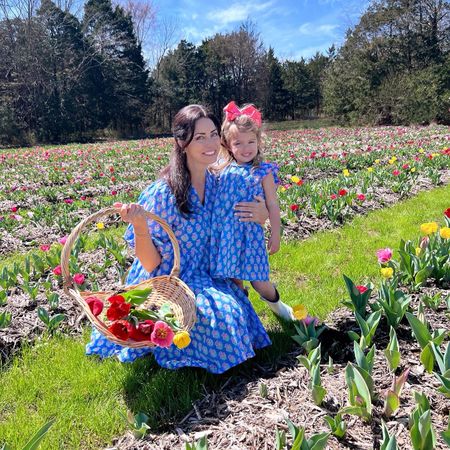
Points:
(279, 308)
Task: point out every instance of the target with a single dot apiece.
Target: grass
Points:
(310, 272)
(87, 396)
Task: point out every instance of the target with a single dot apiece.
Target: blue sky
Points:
(294, 28)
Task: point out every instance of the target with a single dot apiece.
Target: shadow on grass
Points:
(166, 396)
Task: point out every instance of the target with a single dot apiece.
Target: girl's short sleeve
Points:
(268, 167)
(157, 199)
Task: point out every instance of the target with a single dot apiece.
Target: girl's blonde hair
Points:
(243, 124)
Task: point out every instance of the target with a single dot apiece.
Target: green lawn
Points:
(54, 379)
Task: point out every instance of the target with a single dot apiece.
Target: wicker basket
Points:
(166, 289)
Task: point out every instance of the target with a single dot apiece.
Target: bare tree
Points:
(166, 36)
(143, 14)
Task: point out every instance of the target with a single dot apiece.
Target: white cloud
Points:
(196, 35)
(237, 12)
(308, 29)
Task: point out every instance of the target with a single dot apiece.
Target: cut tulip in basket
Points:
(157, 312)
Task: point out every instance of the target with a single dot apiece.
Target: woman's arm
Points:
(145, 250)
(270, 192)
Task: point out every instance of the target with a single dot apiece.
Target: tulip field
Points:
(375, 372)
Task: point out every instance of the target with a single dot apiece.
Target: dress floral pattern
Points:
(238, 249)
(227, 329)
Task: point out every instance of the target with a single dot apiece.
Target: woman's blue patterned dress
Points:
(227, 329)
(238, 249)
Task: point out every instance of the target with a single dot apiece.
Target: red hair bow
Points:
(232, 111)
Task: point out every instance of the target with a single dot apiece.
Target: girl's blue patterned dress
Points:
(238, 249)
(227, 329)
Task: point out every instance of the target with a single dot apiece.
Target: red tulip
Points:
(95, 305)
(361, 289)
(121, 329)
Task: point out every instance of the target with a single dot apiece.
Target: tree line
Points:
(65, 78)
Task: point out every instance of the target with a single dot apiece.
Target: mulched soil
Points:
(26, 326)
(25, 237)
(236, 417)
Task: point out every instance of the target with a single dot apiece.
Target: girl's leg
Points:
(269, 294)
(240, 285)
(266, 290)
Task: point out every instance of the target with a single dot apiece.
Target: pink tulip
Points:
(384, 255)
(62, 240)
(309, 319)
(424, 242)
(79, 278)
(44, 247)
(57, 271)
(162, 334)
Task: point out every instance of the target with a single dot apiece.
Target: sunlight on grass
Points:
(310, 272)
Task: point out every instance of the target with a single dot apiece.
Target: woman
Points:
(227, 329)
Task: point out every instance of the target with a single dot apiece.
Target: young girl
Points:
(238, 249)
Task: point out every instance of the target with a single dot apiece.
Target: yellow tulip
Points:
(282, 189)
(346, 173)
(445, 233)
(421, 150)
(300, 312)
(100, 226)
(429, 228)
(394, 158)
(418, 251)
(370, 169)
(387, 272)
(295, 179)
(413, 170)
(181, 339)
(434, 155)
(377, 161)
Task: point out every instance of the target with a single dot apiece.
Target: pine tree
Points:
(121, 79)
(275, 104)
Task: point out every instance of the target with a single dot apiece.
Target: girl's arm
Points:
(270, 192)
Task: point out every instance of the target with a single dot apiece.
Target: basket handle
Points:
(65, 254)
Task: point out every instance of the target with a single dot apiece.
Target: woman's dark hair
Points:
(177, 173)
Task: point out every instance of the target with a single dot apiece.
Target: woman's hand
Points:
(252, 211)
(132, 213)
